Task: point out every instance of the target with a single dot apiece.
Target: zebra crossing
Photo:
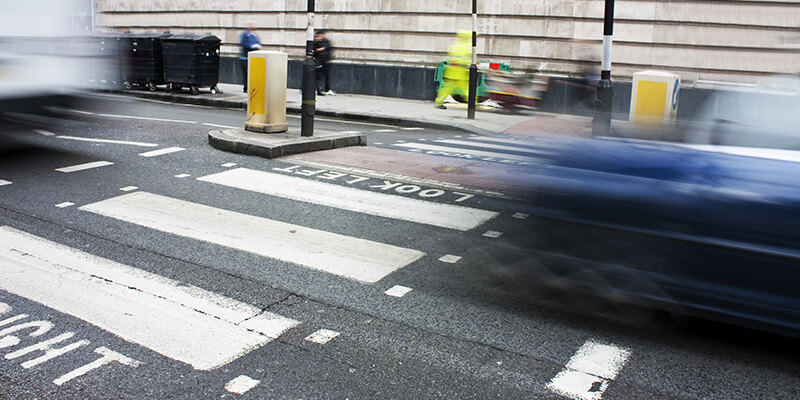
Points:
(504, 150)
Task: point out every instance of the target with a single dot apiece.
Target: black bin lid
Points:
(192, 37)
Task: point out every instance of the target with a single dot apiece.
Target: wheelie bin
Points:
(191, 61)
(142, 60)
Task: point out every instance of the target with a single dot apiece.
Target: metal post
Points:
(601, 125)
(309, 85)
(473, 69)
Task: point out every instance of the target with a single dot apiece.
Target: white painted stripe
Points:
(350, 132)
(128, 188)
(81, 167)
(449, 258)
(493, 234)
(148, 118)
(44, 132)
(457, 150)
(398, 291)
(492, 146)
(3, 183)
(141, 144)
(222, 126)
(413, 129)
(322, 336)
(181, 176)
(589, 371)
(241, 384)
(523, 142)
(385, 130)
(65, 204)
(81, 112)
(520, 215)
(161, 152)
(228, 165)
(353, 258)
(348, 198)
(185, 323)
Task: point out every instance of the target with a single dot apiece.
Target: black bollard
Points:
(309, 105)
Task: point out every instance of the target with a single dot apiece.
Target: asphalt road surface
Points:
(138, 262)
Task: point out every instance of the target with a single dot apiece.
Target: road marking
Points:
(3, 183)
(353, 258)
(469, 152)
(228, 165)
(141, 144)
(413, 129)
(384, 130)
(589, 372)
(64, 204)
(182, 322)
(493, 234)
(350, 132)
(147, 118)
(241, 384)
(524, 142)
(128, 188)
(398, 291)
(221, 126)
(44, 132)
(81, 112)
(81, 167)
(520, 216)
(450, 259)
(181, 176)
(322, 336)
(492, 146)
(352, 199)
(160, 152)
(108, 356)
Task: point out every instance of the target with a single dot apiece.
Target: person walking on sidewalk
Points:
(455, 79)
(323, 53)
(249, 42)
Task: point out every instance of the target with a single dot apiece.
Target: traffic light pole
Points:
(601, 125)
(473, 69)
(309, 89)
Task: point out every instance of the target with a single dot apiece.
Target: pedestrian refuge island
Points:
(654, 98)
(266, 82)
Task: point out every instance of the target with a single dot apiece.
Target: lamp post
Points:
(601, 125)
(473, 69)
(309, 90)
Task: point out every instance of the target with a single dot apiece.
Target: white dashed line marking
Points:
(493, 234)
(589, 371)
(160, 152)
(81, 167)
(322, 336)
(378, 143)
(413, 129)
(3, 183)
(385, 130)
(351, 132)
(83, 139)
(228, 165)
(147, 118)
(44, 132)
(221, 126)
(520, 216)
(65, 204)
(181, 176)
(398, 291)
(128, 188)
(450, 259)
(241, 384)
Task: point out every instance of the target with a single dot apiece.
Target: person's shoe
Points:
(441, 107)
(330, 93)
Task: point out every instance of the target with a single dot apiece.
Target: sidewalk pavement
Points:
(384, 110)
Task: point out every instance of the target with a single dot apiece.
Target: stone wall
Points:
(726, 40)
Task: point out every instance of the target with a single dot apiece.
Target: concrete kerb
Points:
(273, 145)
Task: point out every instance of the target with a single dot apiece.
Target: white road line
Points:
(161, 152)
(128, 188)
(521, 216)
(493, 146)
(81, 167)
(81, 112)
(347, 198)
(148, 118)
(185, 323)
(241, 384)
(493, 234)
(221, 126)
(322, 336)
(535, 143)
(413, 129)
(141, 144)
(181, 176)
(228, 165)
(3, 183)
(44, 132)
(398, 291)
(458, 150)
(384, 130)
(65, 204)
(350, 132)
(589, 371)
(449, 258)
(358, 259)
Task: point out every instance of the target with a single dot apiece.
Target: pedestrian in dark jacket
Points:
(249, 42)
(323, 53)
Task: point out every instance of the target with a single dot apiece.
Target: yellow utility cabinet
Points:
(266, 82)
(654, 97)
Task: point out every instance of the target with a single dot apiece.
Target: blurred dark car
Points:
(696, 232)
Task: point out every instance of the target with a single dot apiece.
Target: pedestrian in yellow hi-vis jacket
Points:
(456, 75)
